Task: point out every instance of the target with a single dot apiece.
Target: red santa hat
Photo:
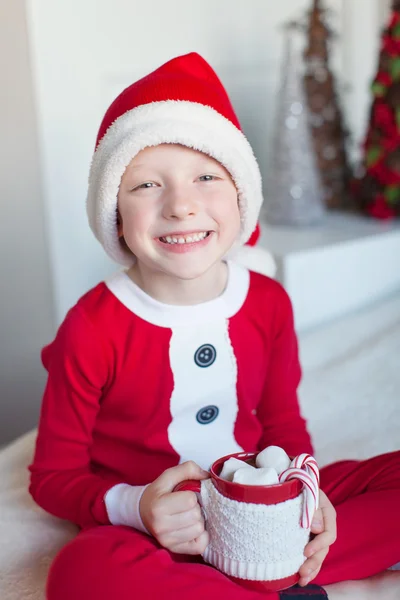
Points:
(181, 102)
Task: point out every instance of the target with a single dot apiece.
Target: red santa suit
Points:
(136, 386)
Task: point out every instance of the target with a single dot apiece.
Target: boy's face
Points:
(178, 210)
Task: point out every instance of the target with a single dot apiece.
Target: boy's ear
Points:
(120, 232)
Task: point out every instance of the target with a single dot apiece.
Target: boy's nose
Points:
(179, 206)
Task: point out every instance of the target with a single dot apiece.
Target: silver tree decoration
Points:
(295, 193)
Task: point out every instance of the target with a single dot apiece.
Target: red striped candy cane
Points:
(305, 468)
(309, 463)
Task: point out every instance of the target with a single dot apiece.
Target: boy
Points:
(182, 358)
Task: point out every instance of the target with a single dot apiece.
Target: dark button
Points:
(205, 355)
(207, 415)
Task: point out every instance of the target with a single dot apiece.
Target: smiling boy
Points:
(183, 357)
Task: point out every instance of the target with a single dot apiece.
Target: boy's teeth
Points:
(194, 237)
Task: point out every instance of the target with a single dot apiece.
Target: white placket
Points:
(204, 403)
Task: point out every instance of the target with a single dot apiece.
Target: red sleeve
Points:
(279, 410)
(61, 478)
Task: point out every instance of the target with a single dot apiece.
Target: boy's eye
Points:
(207, 177)
(144, 186)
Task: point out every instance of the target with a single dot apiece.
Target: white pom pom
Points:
(232, 465)
(256, 476)
(273, 457)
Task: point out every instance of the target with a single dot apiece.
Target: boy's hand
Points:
(175, 518)
(324, 528)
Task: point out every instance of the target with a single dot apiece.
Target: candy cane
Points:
(310, 489)
(305, 468)
(308, 462)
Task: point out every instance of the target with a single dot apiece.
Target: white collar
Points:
(170, 315)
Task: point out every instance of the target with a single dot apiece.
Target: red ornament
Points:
(383, 117)
(391, 46)
(394, 20)
(390, 144)
(384, 78)
(379, 209)
(384, 175)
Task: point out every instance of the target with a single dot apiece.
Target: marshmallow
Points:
(232, 465)
(273, 457)
(256, 476)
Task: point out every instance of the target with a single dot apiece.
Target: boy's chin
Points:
(190, 272)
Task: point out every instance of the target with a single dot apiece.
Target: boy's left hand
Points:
(324, 528)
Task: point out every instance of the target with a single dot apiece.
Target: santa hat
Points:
(181, 102)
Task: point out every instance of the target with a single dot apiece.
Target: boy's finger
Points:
(314, 563)
(183, 536)
(320, 542)
(306, 580)
(193, 547)
(317, 525)
(329, 517)
(177, 502)
(185, 519)
(171, 477)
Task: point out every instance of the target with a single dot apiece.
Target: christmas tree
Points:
(295, 194)
(328, 132)
(378, 191)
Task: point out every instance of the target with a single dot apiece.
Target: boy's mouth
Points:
(189, 238)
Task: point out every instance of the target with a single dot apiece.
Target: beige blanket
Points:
(350, 395)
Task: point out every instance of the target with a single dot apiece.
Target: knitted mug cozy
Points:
(253, 541)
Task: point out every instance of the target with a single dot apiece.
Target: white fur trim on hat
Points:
(176, 122)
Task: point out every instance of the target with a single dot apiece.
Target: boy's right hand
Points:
(175, 518)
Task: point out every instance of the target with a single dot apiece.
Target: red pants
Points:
(119, 563)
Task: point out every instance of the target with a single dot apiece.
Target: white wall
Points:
(85, 51)
(26, 314)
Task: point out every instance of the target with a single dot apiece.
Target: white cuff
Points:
(122, 504)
